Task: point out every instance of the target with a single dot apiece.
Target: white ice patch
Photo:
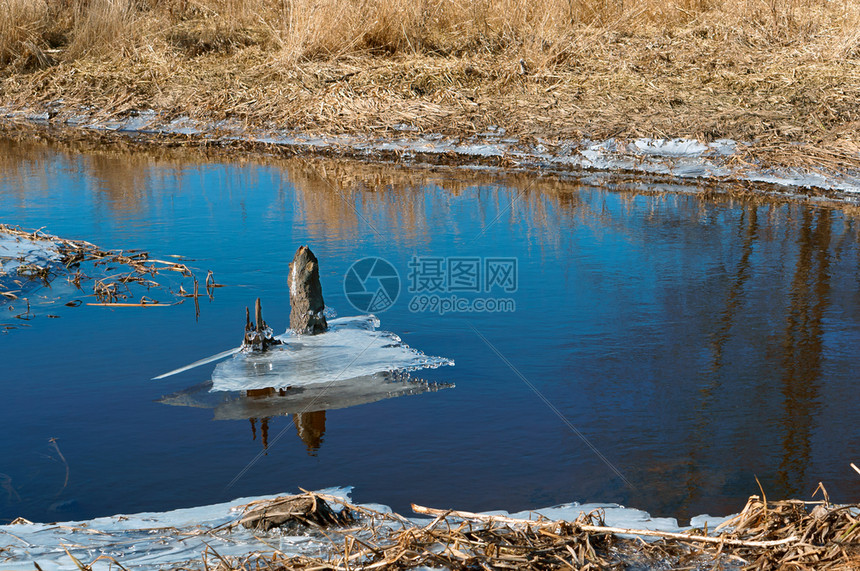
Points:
(140, 122)
(615, 515)
(148, 540)
(182, 126)
(294, 280)
(670, 147)
(351, 348)
(179, 537)
(679, 157)
(724, 146)
(16, 251)
(684, 158)
(805, 179)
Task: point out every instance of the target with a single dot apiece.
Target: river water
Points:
(657, 349)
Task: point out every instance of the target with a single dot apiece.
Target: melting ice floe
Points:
(146, 540)
(352, 348)
(18, 253)
(23, 265)
(175, 538)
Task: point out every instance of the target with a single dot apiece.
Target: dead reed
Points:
(296, 29)
(117, 277)
(22, 29)
(782, 74)
(101, 26)
(765, 535)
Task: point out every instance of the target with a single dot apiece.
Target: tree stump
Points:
(258, 336)
(306, 299)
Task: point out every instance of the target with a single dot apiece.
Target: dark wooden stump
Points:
(258, 336)
(306, 299)
(306, 509)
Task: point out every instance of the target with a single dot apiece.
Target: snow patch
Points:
(152, 540)
(671, 147)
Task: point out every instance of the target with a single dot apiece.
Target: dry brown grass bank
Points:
(547, 32)
(778, 72)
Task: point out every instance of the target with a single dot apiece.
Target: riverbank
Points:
(326, 530)
(782, 81)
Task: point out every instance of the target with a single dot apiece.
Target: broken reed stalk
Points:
(110, 290)
(210, 284)
(763, 536)
(258, 336)
(605, 529)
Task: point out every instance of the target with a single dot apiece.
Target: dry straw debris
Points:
(765, 535)
(117, 277)
(783, 74)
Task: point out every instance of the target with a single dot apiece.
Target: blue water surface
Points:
(665, 349)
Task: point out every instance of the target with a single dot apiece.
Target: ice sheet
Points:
(17, 251)
(351, 348)
(615, 515)
(679, 157)
(670, 147)
(178, 538)
(147, 540)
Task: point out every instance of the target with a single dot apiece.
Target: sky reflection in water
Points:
(696, 343)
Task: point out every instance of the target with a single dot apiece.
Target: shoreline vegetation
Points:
(316, 531)
(95, 277)
(765, 535)
(782, 75)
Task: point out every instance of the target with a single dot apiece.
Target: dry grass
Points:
(296, 29)
(101, 26)
(22, 26)
(787, 534)
(777, 72)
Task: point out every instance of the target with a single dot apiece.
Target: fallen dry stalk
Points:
(139, 271)
(606, 529)
(763, 536)
(141, 304)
